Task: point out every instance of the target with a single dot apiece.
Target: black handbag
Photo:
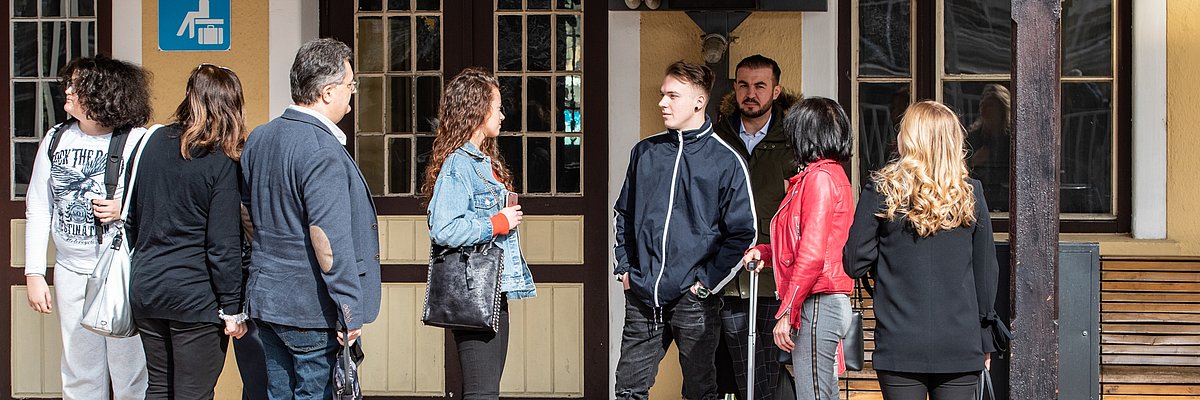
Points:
(463, 290)
(985, 390)
(854, 344)
(345, 372)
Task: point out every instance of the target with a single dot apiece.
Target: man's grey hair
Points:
(319, 63)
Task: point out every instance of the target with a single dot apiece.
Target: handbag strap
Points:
(985, 390)
(136, 161)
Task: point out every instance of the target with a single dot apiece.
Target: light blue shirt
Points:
(752, 140)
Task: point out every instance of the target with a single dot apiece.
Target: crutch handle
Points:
(752, 265)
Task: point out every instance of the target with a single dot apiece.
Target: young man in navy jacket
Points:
(683, 219)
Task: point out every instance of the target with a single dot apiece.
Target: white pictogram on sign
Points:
(211, 30)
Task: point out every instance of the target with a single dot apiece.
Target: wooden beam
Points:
(1034, 211)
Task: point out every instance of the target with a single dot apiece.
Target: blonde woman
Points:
(921, 228)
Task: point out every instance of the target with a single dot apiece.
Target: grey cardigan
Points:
(315, 259)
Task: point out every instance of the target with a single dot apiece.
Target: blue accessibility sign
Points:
(193, 25)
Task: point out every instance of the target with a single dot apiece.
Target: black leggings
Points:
(482, 356)
(915, 386)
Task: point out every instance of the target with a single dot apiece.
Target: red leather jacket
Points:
(808, 234)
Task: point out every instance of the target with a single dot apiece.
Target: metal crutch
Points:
(753, 345)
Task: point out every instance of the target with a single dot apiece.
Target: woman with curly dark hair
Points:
(468, 185)
(108, 102)
(184, 229)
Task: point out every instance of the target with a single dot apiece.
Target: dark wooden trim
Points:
(845, 45)
(337, 21)
(10, 210)
(1034, 213)
(104, 12)
(1123, 12)
(924, 44)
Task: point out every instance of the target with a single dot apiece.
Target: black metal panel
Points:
(727, 5)
(1078, 322)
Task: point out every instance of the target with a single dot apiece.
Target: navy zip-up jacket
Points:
(685, 214)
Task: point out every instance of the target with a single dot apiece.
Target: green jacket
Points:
(771, 164)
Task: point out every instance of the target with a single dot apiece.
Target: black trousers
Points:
(183, 359)
(252, 363)
(481, 355)
(692, 323)
(915, 386)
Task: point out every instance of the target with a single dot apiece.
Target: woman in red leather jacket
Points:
(808, 234)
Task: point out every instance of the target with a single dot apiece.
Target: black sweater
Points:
(184, 227)
(934, 296)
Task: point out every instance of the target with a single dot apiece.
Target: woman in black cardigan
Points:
(922, 230)
(185, 228)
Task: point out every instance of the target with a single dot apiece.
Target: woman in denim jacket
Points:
(468, 185)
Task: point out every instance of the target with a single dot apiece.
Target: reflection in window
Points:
(884, 32)
(46, 35)
(539, 65)
(978, 36)
(880, 106)
(984, 108)
(399, 51)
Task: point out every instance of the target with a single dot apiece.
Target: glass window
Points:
(973, 72)
(46, 35)
(399, 49)
(539, 53)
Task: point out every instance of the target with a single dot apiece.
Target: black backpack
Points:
(112, 170)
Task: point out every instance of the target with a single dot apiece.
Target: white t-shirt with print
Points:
(58, 203)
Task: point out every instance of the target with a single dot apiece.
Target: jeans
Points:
(824, 321)
(735, 327)
(299, 361)
(481, 355)
(915, 386)
(252, 364)
(184, 359)
(692, 323)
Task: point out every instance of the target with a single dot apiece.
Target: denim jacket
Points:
(460, 212)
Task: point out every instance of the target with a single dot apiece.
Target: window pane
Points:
(370, 5)
(424, 153)
(509, 5)
(1087, 38)
(400, 163)
(978, 36)
(567, 114)
(54, 47)
(883, 43)
(429, 91)
(429, 43)
(24, 109)
(25, 8)
(510, 101)
(538, 46)
(370, 47)
(23, 155)
(399, 5)
(428, 5)
(370, 104)
(52, 8)
(570, 47)
(569, 4)
(53, 99)
(1086, 148)
(537, 111)
(25, 49)
(400, 39)
(83, 39)
(568, 164)
(508, 43)
(538, 160)
(510, 150)
(984, 108)
(879, 109)
(538, 4)
(83, 8)
(400, 104)
(370, 161)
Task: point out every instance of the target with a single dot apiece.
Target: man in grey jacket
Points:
(314, 271)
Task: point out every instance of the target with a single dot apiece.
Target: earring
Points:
(697, 108)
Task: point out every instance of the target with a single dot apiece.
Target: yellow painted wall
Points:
(247, 56)
(672, 36)
(1183, 124)
(667, 37)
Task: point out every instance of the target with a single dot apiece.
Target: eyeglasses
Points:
(353, 86)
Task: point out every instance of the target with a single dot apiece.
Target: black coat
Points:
(934, 296)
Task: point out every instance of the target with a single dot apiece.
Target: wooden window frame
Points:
(926, 82)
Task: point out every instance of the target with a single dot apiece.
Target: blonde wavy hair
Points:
(928, 182)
